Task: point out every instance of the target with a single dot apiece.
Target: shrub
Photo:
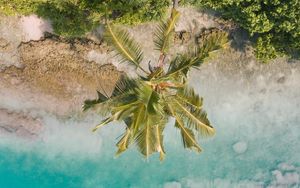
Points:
(274, 23)
(75, 18)
(264, 50)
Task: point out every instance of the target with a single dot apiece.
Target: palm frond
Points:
(150, 98)
(180, 66)
(125, 110)
(158, 129)
(125, 46)
(103, 122)
(145, 139)
(146, 130)
(122, 93)
(124, 142)
(124, 84)
(188, 97)
(187, 135)
(194, 58)
(209, 43)
(164, 32)
(138, 118)
(156, 72)
(194, 118)
(119, 112)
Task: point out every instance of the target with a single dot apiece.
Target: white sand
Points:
(34, 27)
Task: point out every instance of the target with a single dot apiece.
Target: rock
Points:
(240, 147)
(15, 81)
(192, 20)
(96, 35)
(34, 27)
(286, 166)
(288, 179)
(3, 43)
(173, 184)
(182, 37)
(100, 58)
(10, 39)
(19, 124)
(281, 80)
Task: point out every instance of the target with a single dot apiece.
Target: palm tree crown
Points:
(146, 103)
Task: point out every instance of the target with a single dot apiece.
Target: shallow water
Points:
(257, 142)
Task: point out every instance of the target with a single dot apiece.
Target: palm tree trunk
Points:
(162, 56)
(175, 3)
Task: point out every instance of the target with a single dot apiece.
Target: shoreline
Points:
(55, 75)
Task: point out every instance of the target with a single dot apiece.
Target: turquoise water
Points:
(256, 145)
(218, 165)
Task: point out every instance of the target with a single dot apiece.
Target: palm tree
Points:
(146, 103)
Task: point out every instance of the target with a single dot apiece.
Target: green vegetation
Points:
(146, 103)
(76, 17)
(274, 24)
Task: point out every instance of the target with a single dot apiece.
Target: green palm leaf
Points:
(187, 135)
(123, 111)
(103, 122)
(138, 118)
(195, 119)
(122, 93)
(119, 112)
(188, 96)
(194, 58)
(124, 84)
(126, 48)
(148, 96)
(145, 139)
(124, 142)
(180, 66)
(164, 32)
(211, 42)
(158, 129)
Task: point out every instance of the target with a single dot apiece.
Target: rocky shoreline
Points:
(48, 73)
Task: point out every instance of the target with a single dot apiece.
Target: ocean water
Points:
(257, 119)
